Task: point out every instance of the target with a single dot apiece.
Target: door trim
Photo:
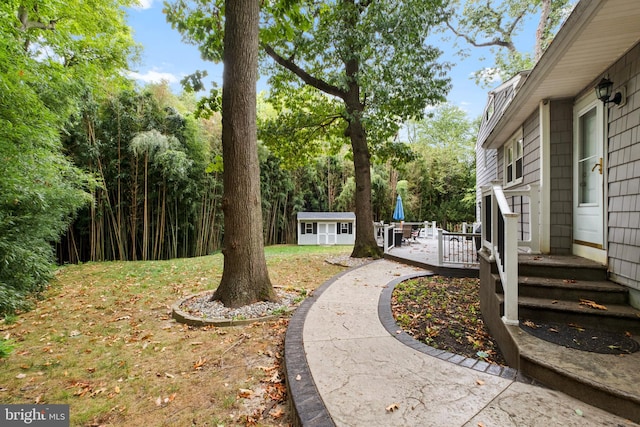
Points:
(591, 250)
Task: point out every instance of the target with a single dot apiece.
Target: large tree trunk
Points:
(245, 278)
(365, 244)
(542, 24)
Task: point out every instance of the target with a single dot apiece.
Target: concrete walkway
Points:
(347, 364)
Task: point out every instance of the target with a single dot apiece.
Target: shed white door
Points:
(588, 179)
(326, 233)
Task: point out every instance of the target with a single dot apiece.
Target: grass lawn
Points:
(103, 341)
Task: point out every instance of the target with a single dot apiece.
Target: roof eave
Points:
(614, 26)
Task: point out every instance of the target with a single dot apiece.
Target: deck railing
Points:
(385, 233)
(457, 248)
(504, 233)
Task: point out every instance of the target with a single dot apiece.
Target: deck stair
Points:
(551, 290)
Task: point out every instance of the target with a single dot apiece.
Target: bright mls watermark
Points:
(34, 415)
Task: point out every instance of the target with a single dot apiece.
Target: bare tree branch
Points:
(495, 42)
(23, 16)
(321, 85)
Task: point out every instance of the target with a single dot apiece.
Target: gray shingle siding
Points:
(488, 162)
(486, 166)
(624, 174)
(561, 147)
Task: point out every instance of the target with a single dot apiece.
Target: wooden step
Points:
(605, 381)
(567, 267)
(602, 292)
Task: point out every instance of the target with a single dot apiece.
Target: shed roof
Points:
(326, 216)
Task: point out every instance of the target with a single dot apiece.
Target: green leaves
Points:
(53, 57)
(497, 24)
(201, 22)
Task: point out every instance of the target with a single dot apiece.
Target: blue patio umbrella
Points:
(398, 213)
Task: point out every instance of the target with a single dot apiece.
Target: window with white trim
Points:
(513, 159)
(490, 109)
(345, 228)
(309, 228)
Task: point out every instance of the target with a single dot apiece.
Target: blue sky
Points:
(166, 57)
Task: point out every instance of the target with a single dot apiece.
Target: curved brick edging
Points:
(184, 317)
(386, 318)
(305, 402)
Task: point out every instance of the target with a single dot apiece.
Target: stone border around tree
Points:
(183, 317)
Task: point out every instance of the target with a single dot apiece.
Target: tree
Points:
(245, 277)
(159, 197)
(370, 56)
(441, 181)
(379, 68)
(52, 55)
(496, 24)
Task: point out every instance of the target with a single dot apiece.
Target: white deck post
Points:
(494, 223)
(440, 247)
(385, 242)
(510, 262)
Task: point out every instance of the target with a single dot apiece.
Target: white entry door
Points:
(589, 171)
(326, 233)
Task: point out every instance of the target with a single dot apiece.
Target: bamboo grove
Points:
(160, 184)
(159, 188)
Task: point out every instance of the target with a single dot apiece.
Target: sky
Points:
(166, 57)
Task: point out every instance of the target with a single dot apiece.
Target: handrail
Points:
(503, 246)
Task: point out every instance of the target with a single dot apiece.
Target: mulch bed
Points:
(444, 313)
(582, 338)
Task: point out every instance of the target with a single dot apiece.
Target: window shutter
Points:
(338, 227)
(350, 228)
(303, 228)
(315, 228)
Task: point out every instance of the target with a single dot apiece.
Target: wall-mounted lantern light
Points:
(603, 92)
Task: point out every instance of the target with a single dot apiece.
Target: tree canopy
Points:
(52, 56)
(441, 182)
(370, 58)
(497, 23)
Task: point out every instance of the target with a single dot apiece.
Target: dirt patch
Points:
(444, 313)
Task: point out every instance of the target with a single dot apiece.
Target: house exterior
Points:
(547, 129)
(487, 158)
(326, 228)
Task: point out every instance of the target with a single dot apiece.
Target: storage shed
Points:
(326, 228)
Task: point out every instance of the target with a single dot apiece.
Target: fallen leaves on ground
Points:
(592, 304)
(444, 313)
(392, 407)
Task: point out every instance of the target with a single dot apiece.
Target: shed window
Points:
(309, 228)
(345, 228)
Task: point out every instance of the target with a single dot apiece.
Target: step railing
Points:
(503, 233)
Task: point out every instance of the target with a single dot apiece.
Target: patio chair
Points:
(408, 234)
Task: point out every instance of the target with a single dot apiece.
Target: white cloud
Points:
(144, 4)
(153, 76)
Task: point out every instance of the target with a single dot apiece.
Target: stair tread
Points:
(592, 285)
(618, 310)
(561, 261)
